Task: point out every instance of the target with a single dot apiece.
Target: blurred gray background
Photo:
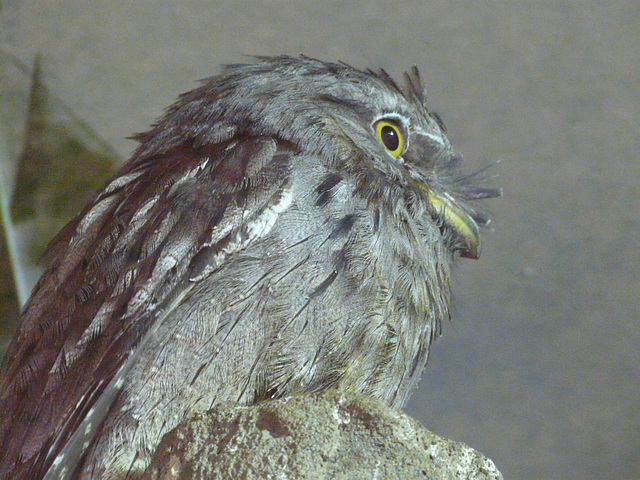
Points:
(540, 368)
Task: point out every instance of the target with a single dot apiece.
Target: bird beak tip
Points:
(460, 222)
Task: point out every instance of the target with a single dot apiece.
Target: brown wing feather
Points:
(116, 268)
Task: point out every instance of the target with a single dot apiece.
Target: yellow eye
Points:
(391, 137)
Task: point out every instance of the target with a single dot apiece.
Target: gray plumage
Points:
(264, 240)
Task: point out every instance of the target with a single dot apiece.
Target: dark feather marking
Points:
(343, 226)
(297, 314)
(324, 190)
(198, 372)
(376, 220)
(131, 465)
(322, 287)
(84, 294)
(259, 280)
(419, 358)
(223, 325)
(203, 260)
(258, 359)
(292, 269)
(299, 242)
(133, 254)
(341, 259)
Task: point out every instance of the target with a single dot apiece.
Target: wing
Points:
(165, 222)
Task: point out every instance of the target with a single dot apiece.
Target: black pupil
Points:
(390, 138)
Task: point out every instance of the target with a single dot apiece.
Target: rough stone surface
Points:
(334, 436)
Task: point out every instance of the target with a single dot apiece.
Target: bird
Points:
(287, 227)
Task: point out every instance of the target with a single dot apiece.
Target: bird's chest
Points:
(334, 300)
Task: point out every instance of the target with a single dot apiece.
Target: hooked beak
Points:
(458, 221)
